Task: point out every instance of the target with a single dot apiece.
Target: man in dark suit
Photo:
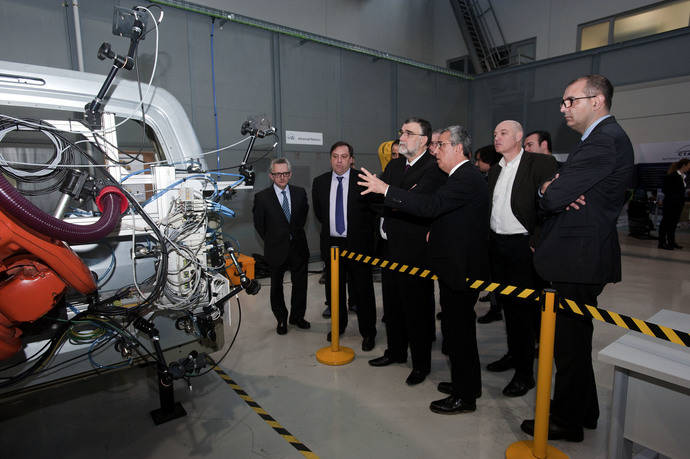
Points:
(674, 201)
(408, 302)
(280, 213)
(347, 221)
(458, 250)
(513, 185)
(538, 142)
(578, 250)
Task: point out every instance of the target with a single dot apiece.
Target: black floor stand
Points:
(170, 409)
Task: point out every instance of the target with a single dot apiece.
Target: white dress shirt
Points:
(334, 191)
(503, 220)
(456, 167)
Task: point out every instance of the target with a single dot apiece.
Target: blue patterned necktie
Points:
(286, 206)
(339, 212)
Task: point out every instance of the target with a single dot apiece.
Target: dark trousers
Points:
(511, 263)
(408, 304)
(359, 274)
(297, 265)
(575, 402)
(460, 338)
(669, 221)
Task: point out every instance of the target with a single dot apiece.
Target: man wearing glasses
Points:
(578, 250)
(408, 302)
(458, 250)
(280, 213)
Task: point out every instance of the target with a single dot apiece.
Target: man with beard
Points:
(408, 301)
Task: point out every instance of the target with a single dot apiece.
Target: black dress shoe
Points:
(591, 425)
(385, 360)
(491, 316)
(518, 387)
(452, 405)
(676, 246)
(301, 323)
(447, 388)
(281, 329)
(556, 432)
(328, 336)
(326, 312)
(368, 343)
(416, 377)
(505, 363)
(665, 247)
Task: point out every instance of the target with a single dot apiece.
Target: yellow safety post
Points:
(538, 447)
(334, 354)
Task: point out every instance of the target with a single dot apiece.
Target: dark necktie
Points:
(286, 206)
(339, 211)
(407, 166)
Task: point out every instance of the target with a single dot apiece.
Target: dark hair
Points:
(425, 125)
(543, 135)
(340, 143)
(487, 155)
(677, 165)
(597, 84)
(395, 142)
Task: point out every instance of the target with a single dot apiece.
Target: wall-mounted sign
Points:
(662, 152)
(304, 138)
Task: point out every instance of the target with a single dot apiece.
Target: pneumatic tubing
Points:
(27, 213)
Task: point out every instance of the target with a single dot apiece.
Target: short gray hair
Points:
(275, 161)
(459, 135)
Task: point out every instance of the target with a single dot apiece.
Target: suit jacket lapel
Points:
(520, 174)
(352, 192)
(494, 172)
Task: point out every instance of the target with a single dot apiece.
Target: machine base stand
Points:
(163, 415)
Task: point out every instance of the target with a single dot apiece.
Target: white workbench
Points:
(651, 391)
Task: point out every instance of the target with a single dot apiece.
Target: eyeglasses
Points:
(441, 144)
(568, 101)
(281, 174)
(408, 133)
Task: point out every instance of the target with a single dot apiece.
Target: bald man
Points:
(513, 184)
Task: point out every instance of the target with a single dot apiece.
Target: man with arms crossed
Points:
(578, 250)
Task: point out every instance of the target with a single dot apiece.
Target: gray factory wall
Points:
(300, 85)
(531, 93)
(312, 87)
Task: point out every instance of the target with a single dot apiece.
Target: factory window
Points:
(658, 18)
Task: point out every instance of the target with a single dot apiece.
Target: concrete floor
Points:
(352, 411)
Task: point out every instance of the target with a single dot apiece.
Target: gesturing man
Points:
(458, 250)
(578, 251)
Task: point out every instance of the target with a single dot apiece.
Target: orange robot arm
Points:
(35, 270)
